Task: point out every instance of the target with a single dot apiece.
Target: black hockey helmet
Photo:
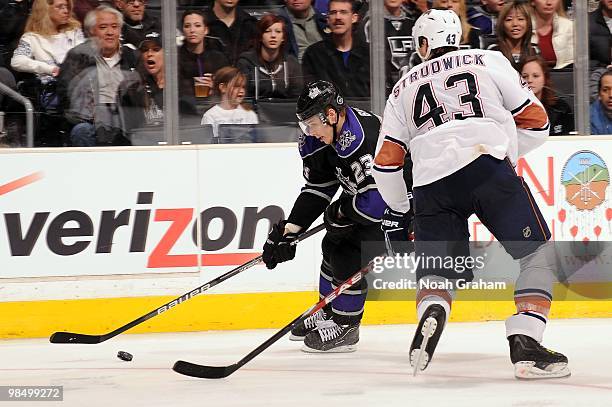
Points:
(316, 97)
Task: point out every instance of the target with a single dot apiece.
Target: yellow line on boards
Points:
(250, 311)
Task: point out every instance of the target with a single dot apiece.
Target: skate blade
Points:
(339, 349)
(419, 358)
(528, 371)
(296, 338)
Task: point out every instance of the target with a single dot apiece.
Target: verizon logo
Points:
(78, 225)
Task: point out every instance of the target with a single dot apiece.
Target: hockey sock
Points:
(426, 297)
(325, 279)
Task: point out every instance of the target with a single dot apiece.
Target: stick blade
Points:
(203, 372)
(71, 337)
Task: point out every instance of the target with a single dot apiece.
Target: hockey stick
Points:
(71, 337)
(219, 372)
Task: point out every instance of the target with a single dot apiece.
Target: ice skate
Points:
(309, 324)
(533, 361)
(426, 337)
(329, 337)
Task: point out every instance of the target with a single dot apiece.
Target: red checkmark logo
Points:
(20, 182)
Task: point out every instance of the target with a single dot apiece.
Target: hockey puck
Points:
(124, 356)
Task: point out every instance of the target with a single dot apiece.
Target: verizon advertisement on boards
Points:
(136, 212)
(109, 212)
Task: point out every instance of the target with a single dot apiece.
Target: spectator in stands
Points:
(553, 32)
(141, 96)
(234, 27)
(601, 109)
(89, 78)
(341, 58)
(198, 59)
(414, 8)
(600, 35)
(471, 34)
(13, 16)
(307, 25)
(50, 33)
(136, 21)
(321, 6)
(484, 17)
(514, 33)
(398, 34)
(535, 72)
(82, 7)
(230, 84)
(271, 72)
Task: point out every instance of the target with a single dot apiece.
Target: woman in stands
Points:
(141, 98)
(514, 33)
(553, 32)
(50, 32)
(471, 35)
(271, 71)
(199, 57)
(230, 85)
(535, 72)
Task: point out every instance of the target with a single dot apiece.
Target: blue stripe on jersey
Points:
(397, 141)
(370, 203)
(521, 107)
(350, 136)
(399, 168)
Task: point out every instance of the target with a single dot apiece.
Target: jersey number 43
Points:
(427, 108)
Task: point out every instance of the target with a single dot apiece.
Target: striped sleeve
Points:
(529, 115)
(389, 161)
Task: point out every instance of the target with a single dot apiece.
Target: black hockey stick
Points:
(219, 372)
(71, 337)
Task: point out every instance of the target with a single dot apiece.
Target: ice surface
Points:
(471, 367)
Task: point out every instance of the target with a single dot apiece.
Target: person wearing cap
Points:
(141, 96)
(136, 21)
(89, 79)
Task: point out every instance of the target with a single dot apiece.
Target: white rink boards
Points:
(471, 368)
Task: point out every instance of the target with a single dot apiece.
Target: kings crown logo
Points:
(346, 139)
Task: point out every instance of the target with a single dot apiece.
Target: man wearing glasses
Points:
(341, 59)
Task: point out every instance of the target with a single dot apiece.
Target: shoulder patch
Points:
(351, 136)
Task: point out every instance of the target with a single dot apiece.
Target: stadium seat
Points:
(276, 110)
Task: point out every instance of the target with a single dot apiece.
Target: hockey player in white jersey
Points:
(465, 116)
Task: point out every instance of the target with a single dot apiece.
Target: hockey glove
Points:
(337, 225)
(278, 247)
(397, 227)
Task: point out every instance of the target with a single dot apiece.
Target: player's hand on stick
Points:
(278, 247)
(337, 225)
(397, 227)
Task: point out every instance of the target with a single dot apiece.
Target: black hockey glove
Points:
(337, 225)
(278, 247)
(397, 227)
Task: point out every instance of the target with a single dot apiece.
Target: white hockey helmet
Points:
(441, 28)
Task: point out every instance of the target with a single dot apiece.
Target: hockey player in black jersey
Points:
(337, 150)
